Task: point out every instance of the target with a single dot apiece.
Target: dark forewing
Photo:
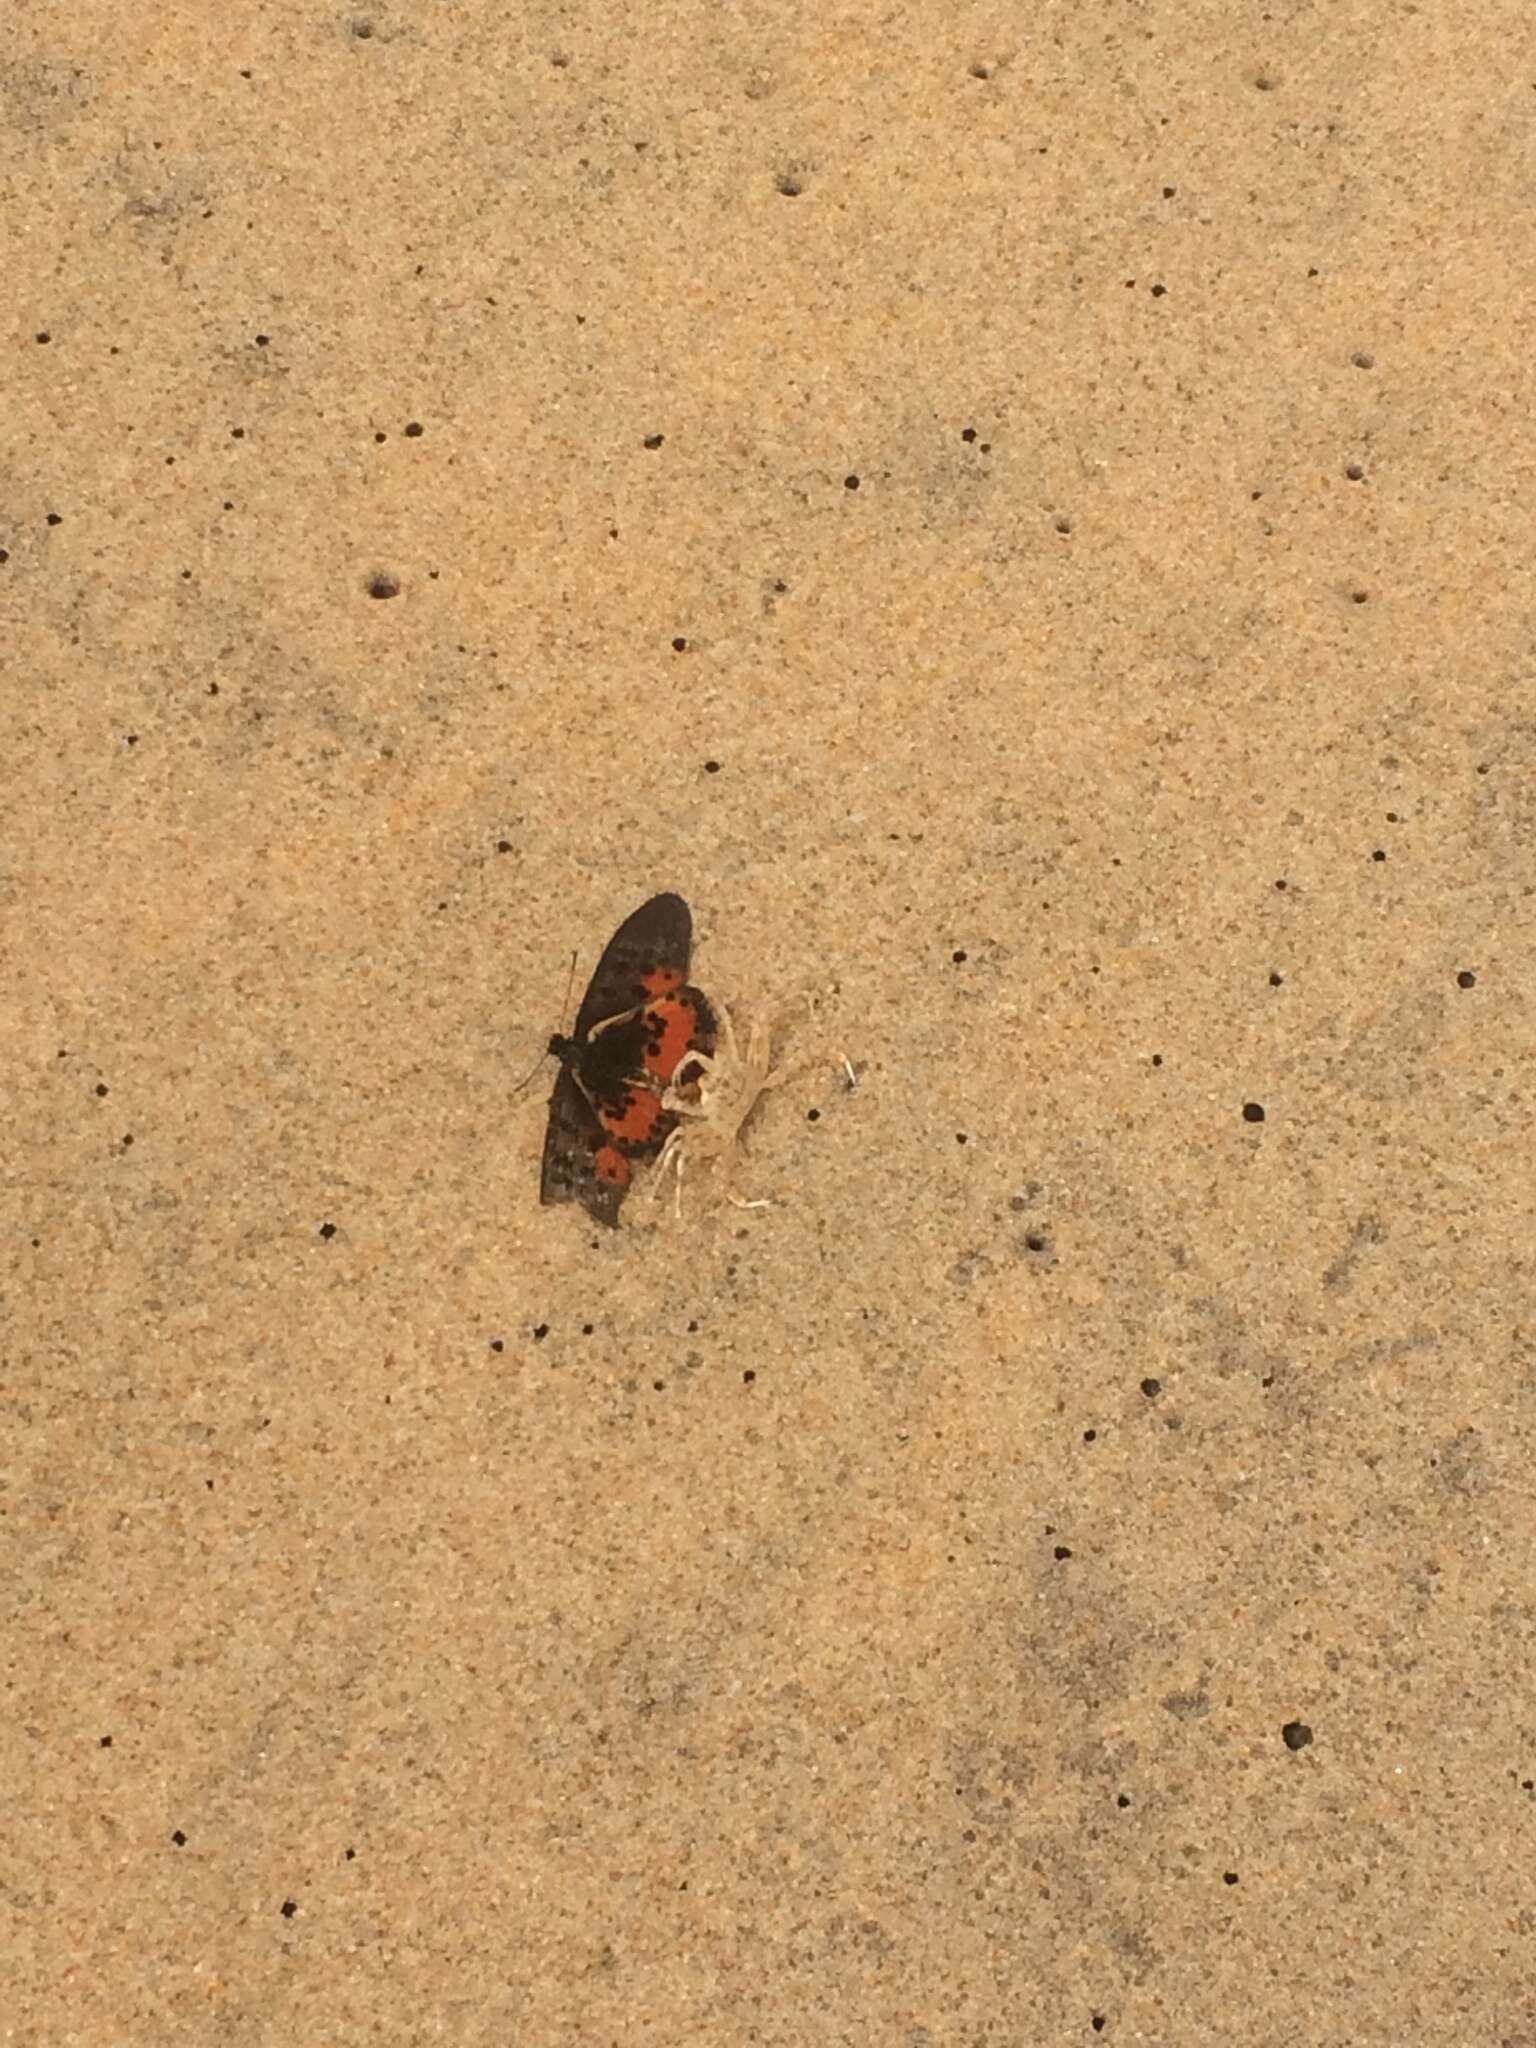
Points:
(657, 935)
(571, 1144)
(604, 1112)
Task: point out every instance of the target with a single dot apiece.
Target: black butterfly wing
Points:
(571, 1145)
(656, 937)
(647, 955)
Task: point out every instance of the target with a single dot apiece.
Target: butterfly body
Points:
(637, 1023)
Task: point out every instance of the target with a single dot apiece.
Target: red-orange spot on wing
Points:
(636, 1122)
(610, 1165)
(661, 981)
(675, 1024)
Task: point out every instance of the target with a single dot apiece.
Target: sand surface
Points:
(1024, 518)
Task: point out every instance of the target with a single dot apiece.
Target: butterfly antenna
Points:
(565, 1011)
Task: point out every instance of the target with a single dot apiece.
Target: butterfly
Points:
(638, 1021)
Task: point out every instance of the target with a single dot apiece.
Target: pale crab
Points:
(712, 1095)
